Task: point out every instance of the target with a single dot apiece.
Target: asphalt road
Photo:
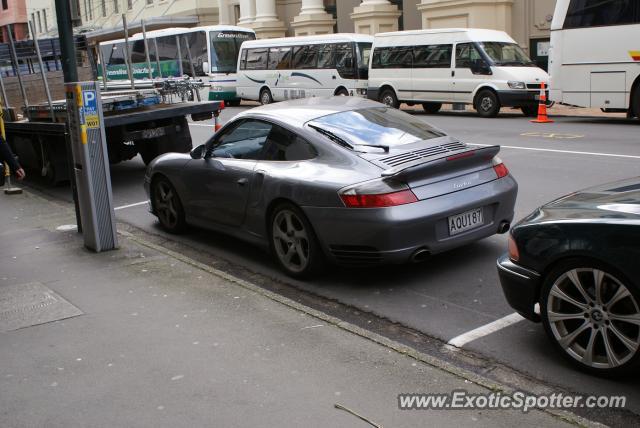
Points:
(456, 292)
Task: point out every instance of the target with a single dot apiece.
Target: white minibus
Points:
(308, 66)
(484, 68)
(594, 59)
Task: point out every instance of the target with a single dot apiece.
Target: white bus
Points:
(594, 60)
(308, 66)
(213, 51)
(484, 68)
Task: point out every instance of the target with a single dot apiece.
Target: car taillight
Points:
(500, 168)
(514, 254)
(379, 200)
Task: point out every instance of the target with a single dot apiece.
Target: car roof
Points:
(300, 111)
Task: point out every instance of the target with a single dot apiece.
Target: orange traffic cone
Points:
(542, 107)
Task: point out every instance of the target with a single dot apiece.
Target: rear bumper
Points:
(392, 235)
(520, 98)
(521, 287)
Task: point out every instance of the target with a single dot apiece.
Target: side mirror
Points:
(205, 67)
(480, 66)
(198, 152)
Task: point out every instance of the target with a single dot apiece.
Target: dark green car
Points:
(578, 258)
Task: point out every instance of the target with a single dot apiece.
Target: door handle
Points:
(242, 181)
(453, 73)
(333, 77)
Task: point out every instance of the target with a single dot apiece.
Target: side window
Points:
(595, 13)
(379, 54)
(279, 58)
(243, 141)
(310, 57)
(243, 59)
(256, 59)
(344, 60)
(297, 56)
(284, 145)
(432, 56)
(466, 53)
(326, 56)
(399, 57)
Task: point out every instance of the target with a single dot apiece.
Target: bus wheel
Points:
(635, 106)
(233, 103)
(487, 103)
(342, 92)
(389, 98)
(265, 96)
(431, 108)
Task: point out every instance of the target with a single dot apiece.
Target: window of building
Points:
(44, 16)
(33, 20)
(596, 13)
(129, 4)
(103, 5)
(4, 5)
(149, 2)
(39, 22)
(116, 6)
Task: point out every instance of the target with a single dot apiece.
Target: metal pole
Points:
(179, 56)
(193, 70)
(4, 92)
(127, 51)
(146, 50)
(155, 44)
(103, 65)
(15, 60)
(42, 72)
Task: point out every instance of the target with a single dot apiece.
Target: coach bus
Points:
(594, 59)
(307, 66)
(213, 51)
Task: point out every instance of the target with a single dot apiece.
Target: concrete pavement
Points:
(143, 338)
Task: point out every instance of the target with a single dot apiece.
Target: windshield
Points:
(506, 53)
(364, 54)
(225, 46)
(380, 126)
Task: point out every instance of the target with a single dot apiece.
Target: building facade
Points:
(42, 14)
(13, 17)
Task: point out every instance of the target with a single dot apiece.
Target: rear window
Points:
(377, 126)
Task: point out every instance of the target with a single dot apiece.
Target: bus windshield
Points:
(225, 46)
(506, 54)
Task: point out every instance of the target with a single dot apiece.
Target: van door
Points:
(464, 80)
(431, 73)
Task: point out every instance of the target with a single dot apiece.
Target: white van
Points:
(484, 68)
(307, 66)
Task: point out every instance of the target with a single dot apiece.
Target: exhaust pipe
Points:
(420, 255)
(504, 227)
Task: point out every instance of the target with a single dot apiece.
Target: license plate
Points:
(467, 220)
(153, 133)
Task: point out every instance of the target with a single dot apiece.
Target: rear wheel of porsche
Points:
(294, 243)
(167, 206)
(592, 315)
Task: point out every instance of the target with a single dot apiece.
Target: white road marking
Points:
(485, 330)
(131, 205)
(572, 152)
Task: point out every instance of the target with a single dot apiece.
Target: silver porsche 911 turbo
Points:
(342, 179)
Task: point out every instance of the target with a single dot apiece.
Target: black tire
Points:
(148, 150)
(233, 103)
(342, 92)
(265, 96)
(594, 317)
(487, 103)
(530, 111)
(635, 104)
(168, 209)
(388, 97)
(431, 108)
(305, 244)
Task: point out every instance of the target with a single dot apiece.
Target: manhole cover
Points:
(24, 305)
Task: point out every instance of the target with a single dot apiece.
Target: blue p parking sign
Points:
(90, 108)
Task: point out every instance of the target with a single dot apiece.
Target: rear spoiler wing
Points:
(463, 158)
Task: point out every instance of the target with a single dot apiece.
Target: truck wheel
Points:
(148, 150)
(487, 103)
(388, 97)
(265, 96)
(233, 103)
(431, 108)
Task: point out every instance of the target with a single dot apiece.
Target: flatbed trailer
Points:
(133, 124)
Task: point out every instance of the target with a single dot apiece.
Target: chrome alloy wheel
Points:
(594, 318)
(291, 241)
(388, 100)
(165, 204)
(486, 103)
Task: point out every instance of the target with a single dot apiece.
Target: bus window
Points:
(279, 58)
(466, 53)
(196, 42)
(256, 59)
(305, 57)
(117, 54)
(344, 60)
(326, 56)
(595, 13)
(364, 55)
(393, 57)
(243, 60)
(432, 56)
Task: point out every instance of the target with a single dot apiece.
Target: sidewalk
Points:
(137, 337)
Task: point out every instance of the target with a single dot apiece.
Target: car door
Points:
(431, 73)
(219, 184)
(464, 80)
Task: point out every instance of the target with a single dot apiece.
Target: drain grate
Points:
(25, 305)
